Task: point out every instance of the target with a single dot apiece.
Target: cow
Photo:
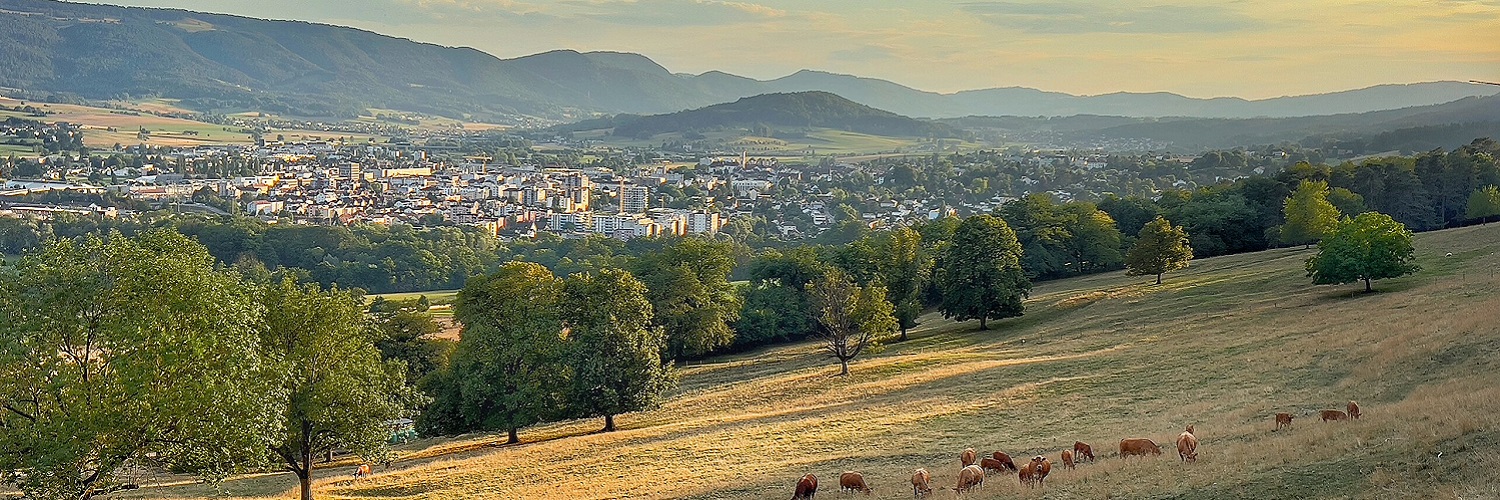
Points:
(851, 482)
(921, 483)
(1027, 474)
(1187, 446)
(1042, 468)
(1140, 447)
(1283, 421)
(968, 457)
(1004, 460)
(1067, 459)
(988, 463)
(970, 477)
(1353, 410)
(1333, 415)
(807, 488)
(1189, 429)
(1082, 451)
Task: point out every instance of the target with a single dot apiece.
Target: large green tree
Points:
(981, 276)
(121, 352)
(853, 317)
(691, 297)
(614, 351)
(506, 372)
(339, 393)
(1368, 247)
(905, 269)
(1159, 248)
(1483, 204)
(1309, 214)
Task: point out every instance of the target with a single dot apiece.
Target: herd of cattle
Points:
(1033, 472)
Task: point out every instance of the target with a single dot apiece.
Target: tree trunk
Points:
(1158, 278)
(513, 437)
(843, 367)
(304, 475)
(304, 479)
(903, 334)
(609, 423)
(983, 326)
(1367, 285)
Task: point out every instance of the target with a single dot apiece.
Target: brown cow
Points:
(988, 463)
(1005, 460)
(921, 483)
(1140, 447)
(1043, 467)
(851, 481)
(807, 488)
(1187, 446)
(968, 457)
(1067, 459)
(970, 477)
(1082, 451)
(1027, 474)
(1189, 429)
(1353, 410)
(1333, 415)
(1283, 420)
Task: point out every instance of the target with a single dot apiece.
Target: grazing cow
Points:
(1333, 415)
(853, 481)
(968, 457)
(1283, 420)
(1187, 446)
(1027, 474)
(1353, 410)
(921, 483)
(1083, 451)
(1189, 429)
(1140, 447)
(807, 488)
(988, 463)
(970, 477)
(1067, 459)
(1042, 468)
(1004, 460)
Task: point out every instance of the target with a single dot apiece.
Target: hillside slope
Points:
(1223, 345)
(801, 109)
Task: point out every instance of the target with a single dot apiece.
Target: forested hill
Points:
(221, 62)
(798, 110)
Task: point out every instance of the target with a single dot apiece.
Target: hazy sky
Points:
(1245, 48)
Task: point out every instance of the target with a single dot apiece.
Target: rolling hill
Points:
(802, 110)
(223, 62)
(1223, 345)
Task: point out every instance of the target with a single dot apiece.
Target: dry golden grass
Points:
(1224, 345)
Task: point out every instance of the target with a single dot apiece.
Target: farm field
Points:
(103, 128)
(1223, 345)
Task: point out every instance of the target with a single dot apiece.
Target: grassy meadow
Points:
(1223, 345)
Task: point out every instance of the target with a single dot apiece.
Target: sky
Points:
(1252, 49)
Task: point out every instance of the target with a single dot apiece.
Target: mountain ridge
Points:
(227, 62)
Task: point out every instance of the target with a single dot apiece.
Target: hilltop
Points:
(792, 110)
(1223, 345)
(220, 63)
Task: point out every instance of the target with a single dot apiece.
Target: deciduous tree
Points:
(1309, 214)
(1368, 247)
(1483, 204)
(691, 297)
(614, 352)
(981, 276)
(853, 317)
(122, 352)
(1160, 248)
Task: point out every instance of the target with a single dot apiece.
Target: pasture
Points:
(1223, 345)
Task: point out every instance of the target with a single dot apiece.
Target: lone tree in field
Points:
(339, 394)
(853, 317)
(1483, 204)
(1309, 214)
(505, 372)
(123, 352)
(1369, 247)
(1160, 248)
(614, 351)
(981, 276)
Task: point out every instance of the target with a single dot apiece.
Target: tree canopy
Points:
(1484, 204)
(981, 276)
(1309, 214)
(1160, 248)
(853, 317)
(1370, 246)
(614, 352)
(687, 283)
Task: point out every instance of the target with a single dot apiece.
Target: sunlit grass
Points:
(1224, 345)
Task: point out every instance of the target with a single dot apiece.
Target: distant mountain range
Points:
(798, 110)
(228, 62)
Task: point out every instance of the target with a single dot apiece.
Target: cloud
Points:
(669, 13)
(863, 53)
(1058, 17)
